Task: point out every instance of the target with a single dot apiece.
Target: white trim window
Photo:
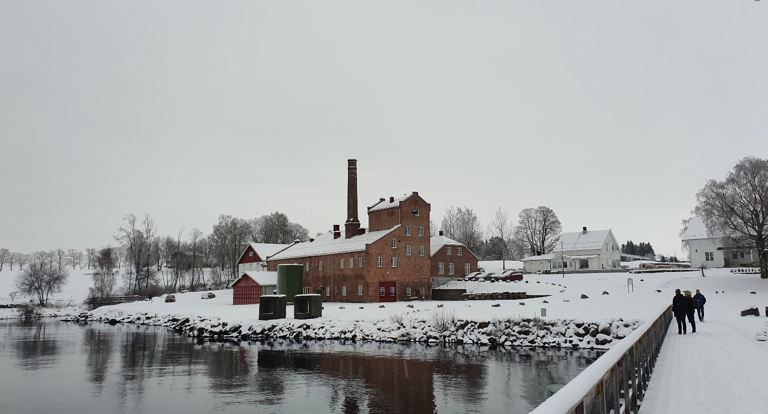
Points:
(320, 265)
(344, 290)
(421, 231)
(360, 289)
(351, 262)
(359, 261)
(306, 266)
(379, 261)
(448, 250)
(341, 263)
(394, 261)
(459, 251)
(467, 269)
(393, 244)
(421, 250)
(408, 291)
(327, 291)
(441, 268)
(407, 230)
(450, 269)
(408, 250)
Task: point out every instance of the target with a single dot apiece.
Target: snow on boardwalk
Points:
(722, 367)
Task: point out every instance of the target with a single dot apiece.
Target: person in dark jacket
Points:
(680, 310)
(690, 310)
(699, 300)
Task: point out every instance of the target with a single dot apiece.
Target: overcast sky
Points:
(612, 113)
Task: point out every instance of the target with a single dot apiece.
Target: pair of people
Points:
(685, 306)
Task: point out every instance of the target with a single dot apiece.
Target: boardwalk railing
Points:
(617, 381)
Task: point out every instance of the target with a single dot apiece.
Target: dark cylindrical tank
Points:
(290, 280)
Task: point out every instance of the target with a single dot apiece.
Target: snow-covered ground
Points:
(69, 300)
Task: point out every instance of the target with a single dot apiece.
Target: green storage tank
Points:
(290, 280)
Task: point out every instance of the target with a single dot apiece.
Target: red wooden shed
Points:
(250, 286)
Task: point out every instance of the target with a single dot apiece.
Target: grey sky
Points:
(612, 113)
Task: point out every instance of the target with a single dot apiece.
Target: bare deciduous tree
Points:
(228, 239)
(276, 228)
(502, 228)
(5, 256)
(136, 238)
(75, 258)
(41, 278)
(462, 225)
(737, 207)
(538, 230)
(104, 276)
(90, 257)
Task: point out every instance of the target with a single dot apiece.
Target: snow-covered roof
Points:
(326, 244)
(437, 242)
(548, 256)
(695, 229)
(385, 204)
(262, 278)
(265, 250)
(579, 240)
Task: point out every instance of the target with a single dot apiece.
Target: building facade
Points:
(389, 261)
(708, 249)
(578, 251)
(254, 257)
(450, 259)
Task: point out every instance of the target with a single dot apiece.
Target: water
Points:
(50, 366)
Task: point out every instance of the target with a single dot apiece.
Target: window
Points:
(341, 263)
(320, 265)
(709, 256)
(306, 267)
(394, 243)
(448, 251)
(408, 291)
(305, 290)
(416, 212)
(467, 269)
(407, 230)
(327, 291)
(344, 290)
(360, 290)
(379, 262)
(735, 255)
(359, 261)
(381, 291)
(741, 255)
(423, 291)
(441, 268)
(351, 262)
(421, 231)
(459, 251)
(408, 251)
(250, 254)
(394, 262)
(421, 250)
(450, 268)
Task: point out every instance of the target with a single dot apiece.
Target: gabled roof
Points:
(590, 240)
(437, 242)
(694, 228)
(264, 250)
(262, 278)
(385, 204)
(326, 244)
(548, 256)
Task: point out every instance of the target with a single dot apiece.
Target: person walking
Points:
(679, 309)
(690, 310)
(699, 300)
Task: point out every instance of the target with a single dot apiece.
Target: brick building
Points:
(389, 261)
(450, 259)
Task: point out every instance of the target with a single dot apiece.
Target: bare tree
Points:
(228, 239)
(276, 228)
(75, 258)
(136, 238)
(462, 225)
(41, 278)
(501, 227)
(737, 207)
(104, 276)
(59, 259)
(194, 246)
(5, 257)
(90, 257)
(538, 230)
(21, 260)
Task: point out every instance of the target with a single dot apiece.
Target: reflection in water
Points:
(145, 370)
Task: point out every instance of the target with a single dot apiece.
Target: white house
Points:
(707, 249)
(584, 251)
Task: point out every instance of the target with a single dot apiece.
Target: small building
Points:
(578, 251)
(251, 286)
(450, 259)
(709, 249)
(254, 257)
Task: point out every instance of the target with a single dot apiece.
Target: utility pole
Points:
(562, 258)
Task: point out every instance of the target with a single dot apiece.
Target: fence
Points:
(94, 302)
(617, 381)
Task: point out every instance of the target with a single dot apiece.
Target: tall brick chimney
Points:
(352, 225)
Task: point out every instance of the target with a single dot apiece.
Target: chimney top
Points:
(440, 233)
(584, 229)
(336, 227)
(415, 193)
(391, 199)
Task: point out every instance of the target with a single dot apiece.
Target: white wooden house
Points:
(578, 251)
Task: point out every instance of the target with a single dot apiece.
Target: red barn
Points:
(251, 286)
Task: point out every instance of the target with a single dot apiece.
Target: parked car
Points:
(209, 295)
(170, 298)
(511, 275)
(472, 276)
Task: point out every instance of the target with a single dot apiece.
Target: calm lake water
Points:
(49, 366)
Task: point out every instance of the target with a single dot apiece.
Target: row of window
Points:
(382, 291)
(349, 262)
(449, 250)
(408, 231)
(451, 270)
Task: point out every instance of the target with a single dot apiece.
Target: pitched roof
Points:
(694, 228)
(548, 256)
(262, 278)
(437, 242)
(326, 244)
(385, 204)
(265, 250)
(579, 240)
